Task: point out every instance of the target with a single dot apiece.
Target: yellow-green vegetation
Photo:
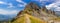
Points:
(36, 20)
(19, 20)
(57, 19)
(31, 18)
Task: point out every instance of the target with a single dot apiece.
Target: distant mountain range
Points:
(6, 17)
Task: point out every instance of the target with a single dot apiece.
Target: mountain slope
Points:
(28, 19)
(35, 14)
(28, 15)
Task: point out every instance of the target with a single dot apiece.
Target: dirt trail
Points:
(27, 19)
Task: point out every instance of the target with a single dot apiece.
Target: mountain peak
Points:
(32, 5)
(34, 14)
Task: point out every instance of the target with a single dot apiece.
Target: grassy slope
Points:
(36, 20)
(19, 20)
(33, 20)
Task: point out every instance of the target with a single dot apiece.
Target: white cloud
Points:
(57, 9)
(10, 5)
(51, 5)
(43, 2)
(55, 5)
(6, 12)
(47, 0)
(1, 2)
(20, 1)
(20, 5)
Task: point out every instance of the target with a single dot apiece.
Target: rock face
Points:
(35, 14)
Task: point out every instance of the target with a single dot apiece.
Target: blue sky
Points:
(12, 7)
(8, 7)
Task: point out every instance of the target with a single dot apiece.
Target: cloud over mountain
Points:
(55, 5)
